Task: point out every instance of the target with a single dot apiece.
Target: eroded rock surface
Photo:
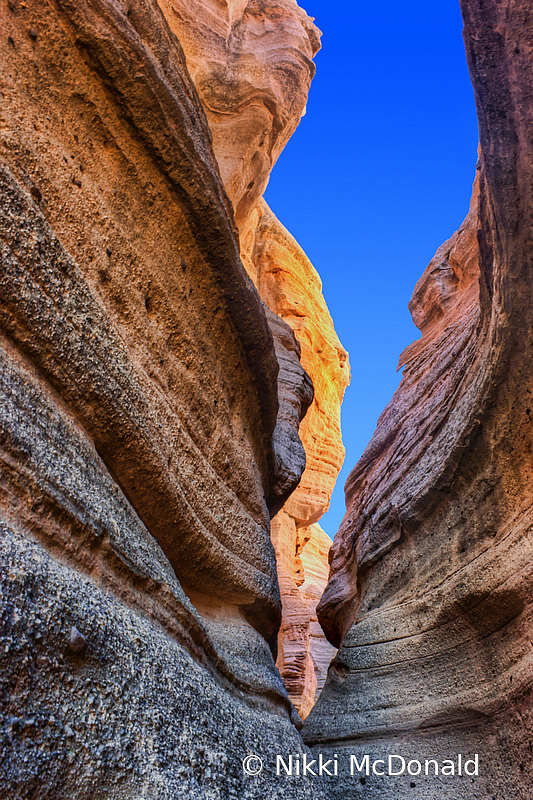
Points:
(304, 654)
(315, 567)
(147, 430)
(290, 285)
(251, 63)
(431, 580)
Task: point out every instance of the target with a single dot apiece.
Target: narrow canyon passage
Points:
(170, 434)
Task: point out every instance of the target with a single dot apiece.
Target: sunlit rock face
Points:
(291, 287)
(251, 63)
(149, 427)
(314, 558)
(431, 579)
(304, 654)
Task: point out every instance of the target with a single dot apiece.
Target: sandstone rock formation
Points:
(315, 564)
(304, 654)
(148, 418)
(291, 287)
(431, 580)
(251, 63)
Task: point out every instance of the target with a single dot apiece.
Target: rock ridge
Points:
(254, 89)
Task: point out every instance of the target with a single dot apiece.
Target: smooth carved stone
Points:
(295, 395)
(251, 63)
(77, 642)
(315, 565)
(431, 575)
(291, 287)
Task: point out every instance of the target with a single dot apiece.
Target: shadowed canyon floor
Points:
(171, 383)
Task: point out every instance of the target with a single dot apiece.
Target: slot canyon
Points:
(171, 388)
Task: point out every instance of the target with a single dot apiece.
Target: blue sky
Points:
(377, 176)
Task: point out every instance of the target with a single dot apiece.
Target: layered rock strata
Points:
(290, 285)
(251, 62)
(315, 564)
(304, 654)
(252, 66)
(431, 580)
(148, 427)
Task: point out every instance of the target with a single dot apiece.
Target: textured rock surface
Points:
(304, 654)
(315, 567)
(253, 84)
(136, 715)
(431, 579)
(142, 444)
(291, 287)
(295, 394)
(251, 62)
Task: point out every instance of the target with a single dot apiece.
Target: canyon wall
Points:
(431, 571)
(150, 399)
(291, 287)
(304, 653)
(252, 66)
(160, 332)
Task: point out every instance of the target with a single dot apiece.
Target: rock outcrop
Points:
(291, 287)
(251, 63)
(315, 564)
(431, 582)
(148, 415)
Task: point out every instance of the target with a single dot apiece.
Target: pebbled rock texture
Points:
(431, 578)
(148, 428)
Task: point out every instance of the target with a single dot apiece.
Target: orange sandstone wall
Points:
(251, 63)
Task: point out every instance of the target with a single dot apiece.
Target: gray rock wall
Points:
(138, 404)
